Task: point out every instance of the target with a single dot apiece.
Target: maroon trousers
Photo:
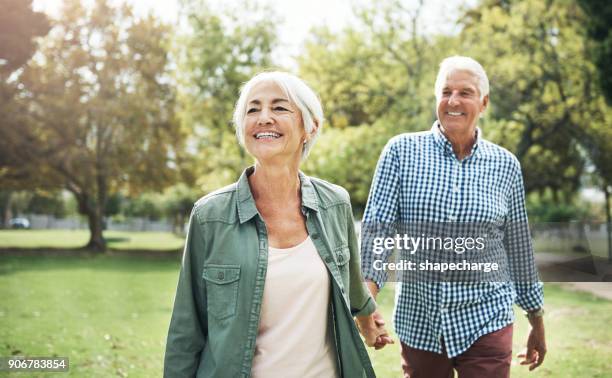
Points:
(488, 357)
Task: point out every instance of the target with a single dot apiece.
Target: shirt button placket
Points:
(456, 184)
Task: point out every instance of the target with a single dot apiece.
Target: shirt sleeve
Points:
(519, 248)
(188, 325)
(362, 303)
(380, 217)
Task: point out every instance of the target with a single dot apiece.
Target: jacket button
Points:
(315, 236)
(221, 275)
(328, 260)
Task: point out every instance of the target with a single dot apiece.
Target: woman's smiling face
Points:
(273, 124)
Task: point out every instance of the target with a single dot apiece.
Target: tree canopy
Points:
(101, 108)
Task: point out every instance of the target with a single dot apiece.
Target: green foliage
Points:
(100, 112)
(600, 32)
(146, 205)
(378, 69)
(177, 202)
(542, 95)
(543, 208)
(348, 157)
(221, 51)
(113, 205)
(47, 203)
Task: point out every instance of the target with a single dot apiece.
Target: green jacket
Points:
(219, 295)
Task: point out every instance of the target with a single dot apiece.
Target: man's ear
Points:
(485, 103)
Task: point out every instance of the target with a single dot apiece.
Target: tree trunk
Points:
(8, 212)
(96, 240)
(94, 218)
(608, 221)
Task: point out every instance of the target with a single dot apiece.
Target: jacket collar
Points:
(246, 202)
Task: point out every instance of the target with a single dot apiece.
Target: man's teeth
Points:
(267, 135)
(454, 113)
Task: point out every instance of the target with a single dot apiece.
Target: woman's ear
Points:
(315, 128)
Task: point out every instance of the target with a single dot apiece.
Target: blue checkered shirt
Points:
(419, 179)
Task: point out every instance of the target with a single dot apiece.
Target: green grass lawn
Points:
(78, 238)
(579, 337)
(109, 315)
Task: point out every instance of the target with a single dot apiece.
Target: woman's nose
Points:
(265, 117)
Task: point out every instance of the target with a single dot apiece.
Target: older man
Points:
(451, 175)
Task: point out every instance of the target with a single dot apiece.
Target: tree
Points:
(177, 202)
(550, 112)
(19, 27)
(377, 69)
(600, 33)
(221, 51)
(599, 28)
(375, 80)
(101, 108)
(542, 92)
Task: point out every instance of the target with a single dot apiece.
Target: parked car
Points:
(19, 223)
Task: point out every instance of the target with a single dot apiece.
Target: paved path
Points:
(599, 289)
(577, 272)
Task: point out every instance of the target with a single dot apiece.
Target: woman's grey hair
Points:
(297, 91)
(461, 63)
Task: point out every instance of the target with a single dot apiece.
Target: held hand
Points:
(536, 346)
(373, 330)
(368, 329)
(384, 338)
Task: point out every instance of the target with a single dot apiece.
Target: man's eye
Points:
(252, 110)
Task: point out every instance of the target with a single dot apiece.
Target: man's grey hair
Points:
(461, 63)
(297, 91)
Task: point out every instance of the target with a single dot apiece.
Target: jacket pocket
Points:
(342, 255)
(221, 289)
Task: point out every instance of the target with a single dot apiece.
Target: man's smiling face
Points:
(459, 104)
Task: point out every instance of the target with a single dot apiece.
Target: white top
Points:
(294, 338)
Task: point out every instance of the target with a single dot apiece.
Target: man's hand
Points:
(536, 344)
(373, 330)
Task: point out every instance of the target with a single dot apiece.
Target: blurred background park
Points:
(115, 118)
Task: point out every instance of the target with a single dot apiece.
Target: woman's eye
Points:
(252, 110)
(280, 109)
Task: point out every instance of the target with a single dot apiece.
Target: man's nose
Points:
(453, 99)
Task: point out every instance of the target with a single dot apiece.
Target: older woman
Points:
(270, 278)
(451, 177)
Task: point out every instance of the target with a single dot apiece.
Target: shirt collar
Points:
(442, 141)
(246, 202)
